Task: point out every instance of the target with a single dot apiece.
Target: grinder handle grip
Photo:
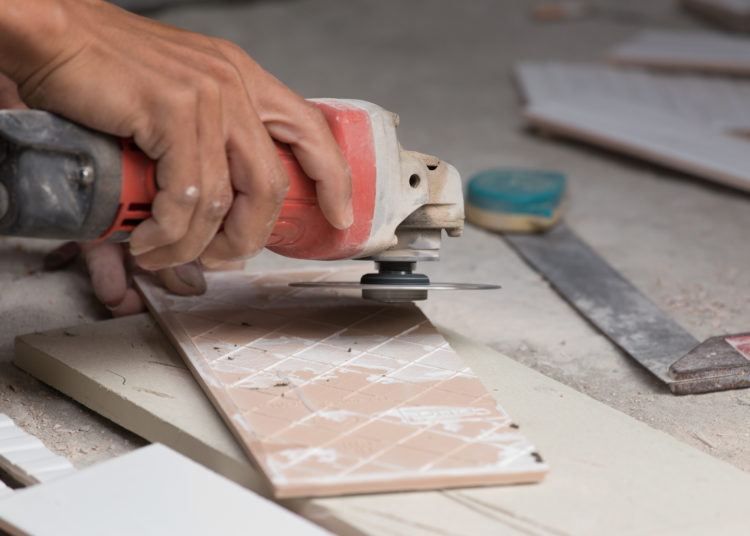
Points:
(139, 187)
(301, 230)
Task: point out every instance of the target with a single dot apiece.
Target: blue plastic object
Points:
(517, 191)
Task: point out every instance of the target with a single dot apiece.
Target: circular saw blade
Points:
(394, 293)
(356, 285)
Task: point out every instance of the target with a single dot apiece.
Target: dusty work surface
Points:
(163, 402)
(444, 67)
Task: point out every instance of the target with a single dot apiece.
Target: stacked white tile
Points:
(685, 50)
(684, 121)
(719, 102)
(647, 133)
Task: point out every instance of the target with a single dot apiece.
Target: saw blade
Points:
(356, 285)
(392, 293)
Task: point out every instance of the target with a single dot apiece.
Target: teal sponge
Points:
(516, 200)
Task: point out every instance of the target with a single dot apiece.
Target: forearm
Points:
(31, 33)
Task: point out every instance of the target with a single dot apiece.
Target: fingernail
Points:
(148, 266)
(191, 274)
(113, 308)
(348, 216)
(135, 252)
(211, 264)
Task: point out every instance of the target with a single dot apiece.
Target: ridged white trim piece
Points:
(26, 459)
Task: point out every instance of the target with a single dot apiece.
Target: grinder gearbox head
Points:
(409, 198)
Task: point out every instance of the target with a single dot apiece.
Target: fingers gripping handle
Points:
(301, 230)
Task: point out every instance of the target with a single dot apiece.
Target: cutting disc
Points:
(394, 282)
(393, 293)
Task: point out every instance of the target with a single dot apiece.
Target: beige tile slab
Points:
(279, 374)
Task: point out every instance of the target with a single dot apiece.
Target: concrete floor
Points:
(444, 67)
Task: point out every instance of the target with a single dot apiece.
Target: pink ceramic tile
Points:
(444, 358)
(356, 340)
(309, 329)
(303, 435)
(439, 443)
(347, 378)
(439, 397)
(326, 353)
(396, 391)
(339, 421)
(400, 349)
(358, 446)
(388, 432)
(321, 396)
(332, 394)
(280, 344)
(406, 458)
(262, 426)
(425, 335)
(249, 398)
(415, 372)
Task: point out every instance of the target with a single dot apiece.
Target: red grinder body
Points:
(61, 180)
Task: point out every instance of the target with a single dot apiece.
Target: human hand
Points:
(9, 98)
(110, 266)
(199, 106)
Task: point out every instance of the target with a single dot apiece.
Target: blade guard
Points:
(301, 230)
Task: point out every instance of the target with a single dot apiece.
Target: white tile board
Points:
(699, 51)
(26, 459)
(715, 101)
(644, 471)
(152, 491)
(645, 133)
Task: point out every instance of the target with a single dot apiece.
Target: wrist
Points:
(31, 34)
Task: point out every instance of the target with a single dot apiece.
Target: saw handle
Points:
(301, 231)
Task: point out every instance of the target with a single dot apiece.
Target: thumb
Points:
(185, 279)
(9, 98)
